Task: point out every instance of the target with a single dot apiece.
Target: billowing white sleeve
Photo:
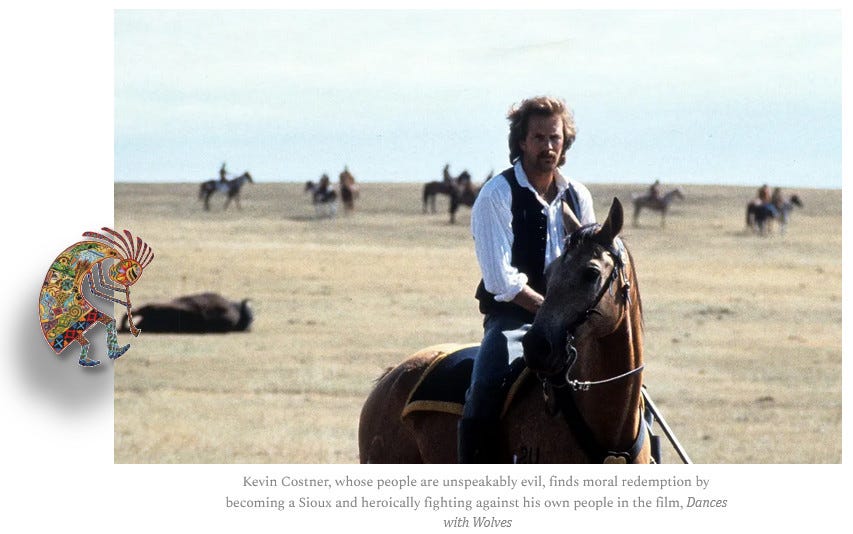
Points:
(491, 226)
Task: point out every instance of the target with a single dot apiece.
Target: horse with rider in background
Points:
(323, 196)
(231, 188)
(655, 201)
(767, 207)
(447, 186)
(349, 189)
(464, 194)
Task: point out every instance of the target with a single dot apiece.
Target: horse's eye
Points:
(591, 274)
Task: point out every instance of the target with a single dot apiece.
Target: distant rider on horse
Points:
(654, 190)
(764, 200)
(223, 173)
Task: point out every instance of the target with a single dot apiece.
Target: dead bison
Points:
(194, 314)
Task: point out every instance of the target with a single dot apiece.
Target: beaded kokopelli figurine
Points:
(64, 311)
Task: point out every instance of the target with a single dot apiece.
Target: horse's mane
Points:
(636, 313)
(581, 235)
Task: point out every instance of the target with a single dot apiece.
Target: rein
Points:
(619, 272)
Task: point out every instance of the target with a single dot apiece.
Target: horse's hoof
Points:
(115, 355)
(86, 362)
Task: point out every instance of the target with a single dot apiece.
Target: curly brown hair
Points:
(545, 106)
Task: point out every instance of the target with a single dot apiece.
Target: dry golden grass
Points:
(743, 334)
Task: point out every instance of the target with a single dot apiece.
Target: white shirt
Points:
(491, 226)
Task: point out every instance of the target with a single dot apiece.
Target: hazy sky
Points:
(738, 97)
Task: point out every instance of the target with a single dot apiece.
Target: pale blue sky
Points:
(734, 97)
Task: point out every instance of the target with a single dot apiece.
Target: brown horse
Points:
(449, 186)
(465, 194)
(349, 190)
(660, 204)
(584, 354)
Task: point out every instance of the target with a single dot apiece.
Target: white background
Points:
(57, 445)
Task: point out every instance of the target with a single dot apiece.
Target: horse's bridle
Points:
(569, 408)
(620, 271)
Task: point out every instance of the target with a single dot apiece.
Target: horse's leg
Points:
(637, 214)
(207, 202)
(435, 435)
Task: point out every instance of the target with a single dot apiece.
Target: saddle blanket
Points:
(443, 384)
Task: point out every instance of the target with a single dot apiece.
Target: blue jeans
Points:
(501, 346)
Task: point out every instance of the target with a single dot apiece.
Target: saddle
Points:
(442, 386)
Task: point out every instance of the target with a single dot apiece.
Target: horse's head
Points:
(587, 292)
(795, 200)
(248, 177)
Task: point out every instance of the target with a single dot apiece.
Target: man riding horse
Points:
(520, 211)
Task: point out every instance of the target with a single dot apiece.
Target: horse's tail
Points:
(123, 326)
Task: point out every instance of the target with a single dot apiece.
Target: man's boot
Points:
(478, 441)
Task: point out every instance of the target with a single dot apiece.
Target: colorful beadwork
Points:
(66, 314)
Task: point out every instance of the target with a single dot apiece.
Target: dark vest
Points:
(530, 234)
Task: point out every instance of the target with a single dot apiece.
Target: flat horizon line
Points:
(587, 183)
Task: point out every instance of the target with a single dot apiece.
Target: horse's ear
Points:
(613, 225)
(570, 221)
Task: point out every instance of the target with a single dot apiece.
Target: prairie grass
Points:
(743, 333)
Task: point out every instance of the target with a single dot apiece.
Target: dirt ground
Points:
(743, 333)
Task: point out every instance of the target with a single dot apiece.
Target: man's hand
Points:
(529, 299)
